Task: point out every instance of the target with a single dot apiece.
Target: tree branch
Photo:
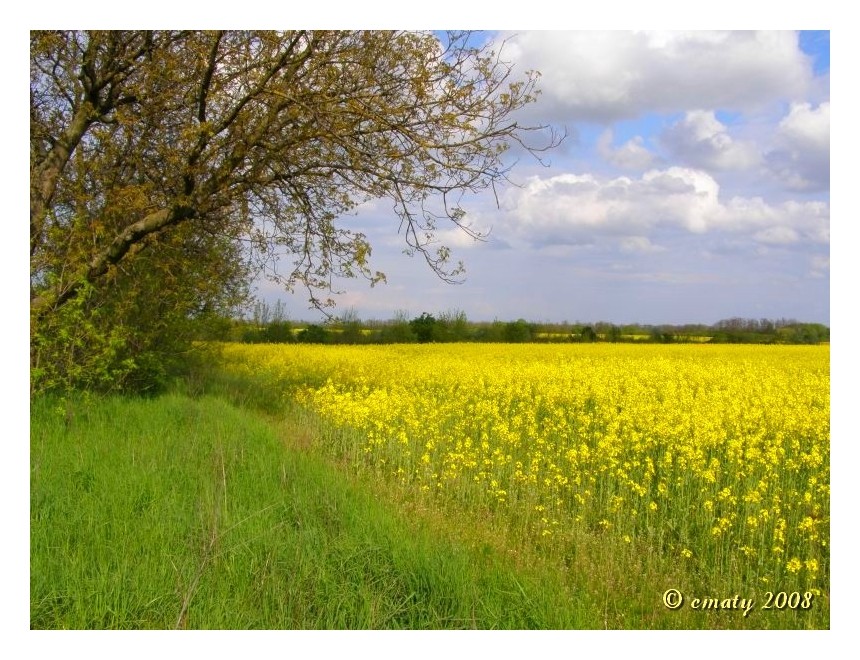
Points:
(132, 235)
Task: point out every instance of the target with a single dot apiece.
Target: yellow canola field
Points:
(718, 455)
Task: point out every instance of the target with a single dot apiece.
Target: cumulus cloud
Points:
(632, 155)
(576, 209)
(807, 127)
(607, 76)
(702, 141)
(801, 159)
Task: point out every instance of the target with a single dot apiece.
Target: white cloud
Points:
(801, 159)
(455, 237)
(632, 155)
(806, 127)
(571, 209)
(632, 244)
(607, 76)
(702, 141)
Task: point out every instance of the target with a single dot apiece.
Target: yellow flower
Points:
(556, 434)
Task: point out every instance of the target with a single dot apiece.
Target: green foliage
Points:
(397, 331)
(423, 327)
(662, 335)
(315, 334)
(134, 331)
(804, 333)
(492, 332)
(77, 347)
(276, 332)
(765, 331)
(614, 334)
(350, 328)
(587, 335)
(518, 331)
(453, 326)
(269, 325)
(279, 332)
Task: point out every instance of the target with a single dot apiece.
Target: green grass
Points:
(191, 513)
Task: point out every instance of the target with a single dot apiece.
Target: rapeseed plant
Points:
(721, 451)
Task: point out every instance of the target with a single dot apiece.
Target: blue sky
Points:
(694, 185)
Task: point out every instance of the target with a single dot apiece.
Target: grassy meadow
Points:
(443, 486)
(181, 513)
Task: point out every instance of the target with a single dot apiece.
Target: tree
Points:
(452, 325)
(588, 335)
(350, 326)
(314, 334)
(244, 145)
(423, 326)
(399, 330)
(268, 325)
(134, 329)
(518, 331)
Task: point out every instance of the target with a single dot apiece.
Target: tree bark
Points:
(44, 179)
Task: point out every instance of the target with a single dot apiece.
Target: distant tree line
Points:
(269, 324)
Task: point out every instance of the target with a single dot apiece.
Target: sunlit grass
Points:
(175, 513)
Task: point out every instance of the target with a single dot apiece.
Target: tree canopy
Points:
(165, 167)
